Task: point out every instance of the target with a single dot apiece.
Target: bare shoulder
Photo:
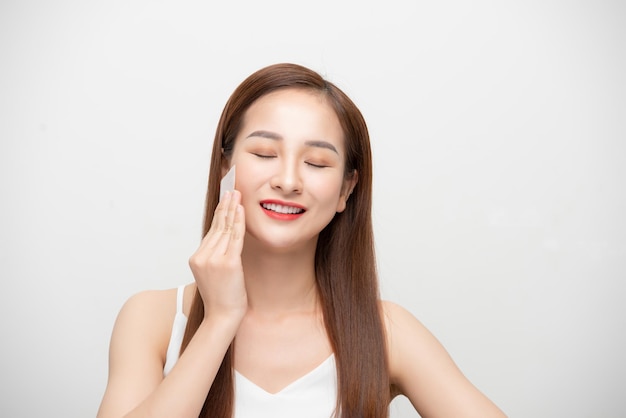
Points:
(412, 349)
(394, 313)
(401, 324)
(153, 306)
(405, 334)
(146, 316)
(149, 306)
(138, 348)
(421, 369)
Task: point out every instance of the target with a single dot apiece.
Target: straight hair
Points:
(345, 265)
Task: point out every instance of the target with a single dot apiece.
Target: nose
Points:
(287, 177)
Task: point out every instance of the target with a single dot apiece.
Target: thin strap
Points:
(179, 298)
(178, 332)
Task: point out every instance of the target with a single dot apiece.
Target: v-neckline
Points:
(302, 379)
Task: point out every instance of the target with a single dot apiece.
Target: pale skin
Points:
(255, 272)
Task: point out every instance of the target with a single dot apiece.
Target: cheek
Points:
(249, 178)
(246, 173)
(326, 188)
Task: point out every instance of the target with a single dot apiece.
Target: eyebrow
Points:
(311, 143)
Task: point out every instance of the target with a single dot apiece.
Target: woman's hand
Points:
(216, 264)
(136, 387)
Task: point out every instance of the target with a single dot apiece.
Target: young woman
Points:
(284, 317)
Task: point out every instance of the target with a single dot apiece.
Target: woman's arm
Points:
(422, 370)
(136, 387)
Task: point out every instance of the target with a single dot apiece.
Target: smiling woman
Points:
(284, 317)
(291, 161)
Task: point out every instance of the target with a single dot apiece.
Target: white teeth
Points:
(281, 209)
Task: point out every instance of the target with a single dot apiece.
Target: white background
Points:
(499, 139)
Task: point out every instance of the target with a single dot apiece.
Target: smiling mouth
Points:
(289, 210)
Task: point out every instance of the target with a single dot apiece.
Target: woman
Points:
(284, 316)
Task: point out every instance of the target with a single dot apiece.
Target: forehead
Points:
(294, 113)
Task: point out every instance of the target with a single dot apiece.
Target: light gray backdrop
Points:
(499, 148)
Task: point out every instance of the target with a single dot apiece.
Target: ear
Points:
(348, 186)
(225, 164)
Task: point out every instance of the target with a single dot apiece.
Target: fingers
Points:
(235, 244)
(216, 265)
(219, 216)
(223, 225)
(234, 198)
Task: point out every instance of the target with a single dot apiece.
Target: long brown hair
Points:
(344, 260)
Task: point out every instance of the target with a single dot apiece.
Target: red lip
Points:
(283, 203)
(282, 216)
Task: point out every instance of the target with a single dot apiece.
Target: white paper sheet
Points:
(228, 182)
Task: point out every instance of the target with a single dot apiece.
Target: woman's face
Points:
(290, 160)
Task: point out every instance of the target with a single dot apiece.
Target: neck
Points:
(279, 281)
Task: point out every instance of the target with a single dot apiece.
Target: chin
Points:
(281, 245)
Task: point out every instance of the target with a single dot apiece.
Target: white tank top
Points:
(312, 396)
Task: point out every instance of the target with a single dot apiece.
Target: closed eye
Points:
(316, 165)
(263, 155)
